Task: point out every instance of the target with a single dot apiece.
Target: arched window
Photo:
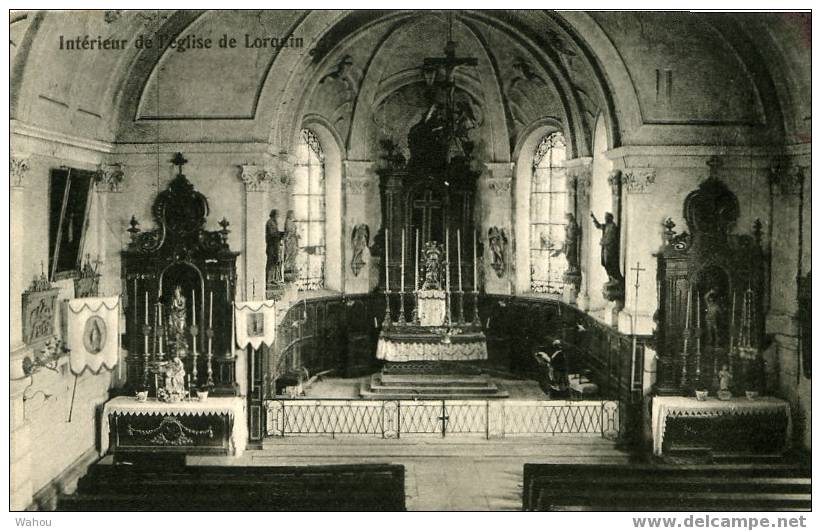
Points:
(309, 210)
(548, 206)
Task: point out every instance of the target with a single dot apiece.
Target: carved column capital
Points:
(357, 185)
(18, 167)
(256, 178)
(787, 177)
(638, 180)
(109, 177)
(500, 185)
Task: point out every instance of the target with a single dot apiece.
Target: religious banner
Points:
(93, 333)
(255, 323)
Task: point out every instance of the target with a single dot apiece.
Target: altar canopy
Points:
(93, 333)
(255, 323)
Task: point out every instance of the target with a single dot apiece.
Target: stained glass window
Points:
(548, 205)
(309, 209)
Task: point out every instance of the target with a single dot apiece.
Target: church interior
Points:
(337, 260)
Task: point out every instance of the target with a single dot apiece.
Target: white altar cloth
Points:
(403, 351)
(234, 407)
(665, 407)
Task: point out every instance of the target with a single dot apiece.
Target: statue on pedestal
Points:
(291, 246)
(725, 379)
(497, 239)
(433, 256)
(610, 248)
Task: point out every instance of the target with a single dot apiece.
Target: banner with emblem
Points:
(93, 333)
(255, 323)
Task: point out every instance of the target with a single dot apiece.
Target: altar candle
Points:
(459, 256)
(689, 303)
(194, 318)
(211, 309)
(402, 265)
(416, 269)
(387, 271)
(146, 307)
(475, 284)
(447, 259)
(210, 318)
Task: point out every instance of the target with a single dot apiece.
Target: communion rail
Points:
(393, 419)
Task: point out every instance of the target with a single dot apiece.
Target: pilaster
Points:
(496, 207)
(361, 188)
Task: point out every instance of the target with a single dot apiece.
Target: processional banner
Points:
(255, 323)
(93, 333)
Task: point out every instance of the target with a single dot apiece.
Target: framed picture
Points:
(69, 202)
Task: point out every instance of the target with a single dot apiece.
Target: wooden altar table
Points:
(214, 426)
(738, 408)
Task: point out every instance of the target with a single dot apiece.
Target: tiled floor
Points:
(455, 474)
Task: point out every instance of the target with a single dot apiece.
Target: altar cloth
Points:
(234, 407)
(665, 407)
(473, 347)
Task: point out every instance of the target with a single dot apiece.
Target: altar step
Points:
(430, 386)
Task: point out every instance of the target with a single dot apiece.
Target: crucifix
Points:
(638, 269)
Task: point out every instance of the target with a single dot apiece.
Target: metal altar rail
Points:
(392, 419)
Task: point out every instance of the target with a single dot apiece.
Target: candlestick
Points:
(416, 263)
(686, 338)
(402, 265)
(475, 283)
(459, 257)
(194, 320)
(387, 270)
(447, 273)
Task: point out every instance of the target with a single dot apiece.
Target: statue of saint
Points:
(609, 246)
(291, 245)
(272, 239)
(177, 329)
(712, 312)
(725, 379)
(497, 239)
(360, 239)
(433, 256)
(570, 247)
(175, 377)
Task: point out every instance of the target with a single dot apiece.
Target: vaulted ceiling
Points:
(657, 78)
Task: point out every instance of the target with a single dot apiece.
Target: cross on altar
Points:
(179, 161)
(638, 269)
(633, 380)
(427, 205)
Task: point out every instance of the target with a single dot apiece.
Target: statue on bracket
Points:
(570, 248)
(360, 241)
(497, 240)
(610, 248)
(291, 246)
